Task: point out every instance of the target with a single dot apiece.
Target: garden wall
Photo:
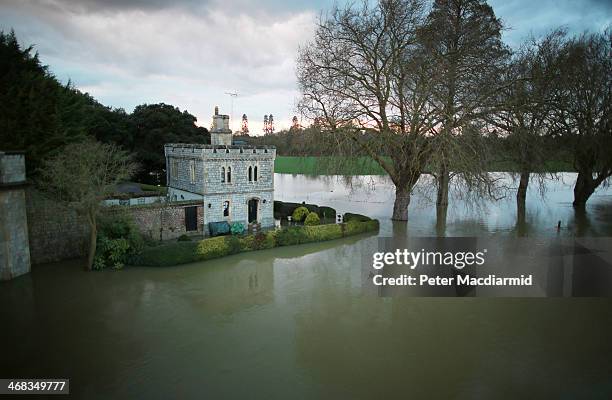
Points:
(57, 233)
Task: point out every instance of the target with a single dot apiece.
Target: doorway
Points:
(191, 219)
(253, 210)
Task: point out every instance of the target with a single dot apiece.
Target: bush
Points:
(118, 241)
(168, 254)
(299, 214)
(237, 228)
(312, 219)
(259, 241)
(323, 232)
(183, 238)
(327, 212)
(212, 248)
(355, 217)
(282, 209)
(355, 227)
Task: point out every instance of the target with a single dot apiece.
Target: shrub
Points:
(237, 228)
(355, 217)
(184, 238)
(327, 212)
(118, 241)
(110, 252)
(168, 254)
(212, 248)
(299, 214)
(291, 235)
(312, 219)
(259, 241)
(323, 232)
(354, 227)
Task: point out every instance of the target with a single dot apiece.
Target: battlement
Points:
(217, 151)
(12, 168)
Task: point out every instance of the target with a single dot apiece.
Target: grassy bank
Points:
(367, 166)
(327, 166)
(185, 252)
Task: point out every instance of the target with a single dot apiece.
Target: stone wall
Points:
(159, 221)
(14, 248)
(58, 233)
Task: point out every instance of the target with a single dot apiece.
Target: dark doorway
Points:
(253, 205)
(191, 219)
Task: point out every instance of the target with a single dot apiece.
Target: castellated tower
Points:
(220, 134)
(233, 183)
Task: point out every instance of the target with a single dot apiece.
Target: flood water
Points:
(294, 322)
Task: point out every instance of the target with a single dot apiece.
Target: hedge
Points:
(185, 252)
(355, 217)
(283, 209)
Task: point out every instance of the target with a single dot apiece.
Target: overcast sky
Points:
(188, 53)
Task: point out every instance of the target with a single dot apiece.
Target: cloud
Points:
(189, 53)
(125, 54)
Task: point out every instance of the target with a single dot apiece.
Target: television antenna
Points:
(232, 96)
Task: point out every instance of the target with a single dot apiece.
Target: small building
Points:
(234, 182)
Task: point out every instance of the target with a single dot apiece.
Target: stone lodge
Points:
(234, 182)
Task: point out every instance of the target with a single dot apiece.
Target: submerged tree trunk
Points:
(93, 236)
(402, 201)
(521, 193)
(441, 212)
(443, 181)
(584, 188)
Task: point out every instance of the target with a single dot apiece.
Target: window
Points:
(222, 174)
(226, 209)
(229, 174)
(141, 200)
(255, 174)
(250, 174)
(174, 169)
(192, 171)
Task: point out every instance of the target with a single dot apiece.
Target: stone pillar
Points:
(14, 245)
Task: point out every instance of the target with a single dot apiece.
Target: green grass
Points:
(327, 166)
(367, 166)
(162, 190)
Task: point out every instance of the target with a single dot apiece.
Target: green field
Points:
(327, 166)
(367, 166)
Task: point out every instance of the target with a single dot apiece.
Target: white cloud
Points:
(175, 55)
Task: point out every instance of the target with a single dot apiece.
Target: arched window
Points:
(229, 174)
(222, 174)
(226, 209)
(255, 174)
(250, 174)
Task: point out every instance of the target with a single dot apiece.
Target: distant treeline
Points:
(39, 115)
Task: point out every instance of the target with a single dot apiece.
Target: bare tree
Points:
(362, 79)
(462, 41)
(583, 109)
(82, 175)
(523, 113)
